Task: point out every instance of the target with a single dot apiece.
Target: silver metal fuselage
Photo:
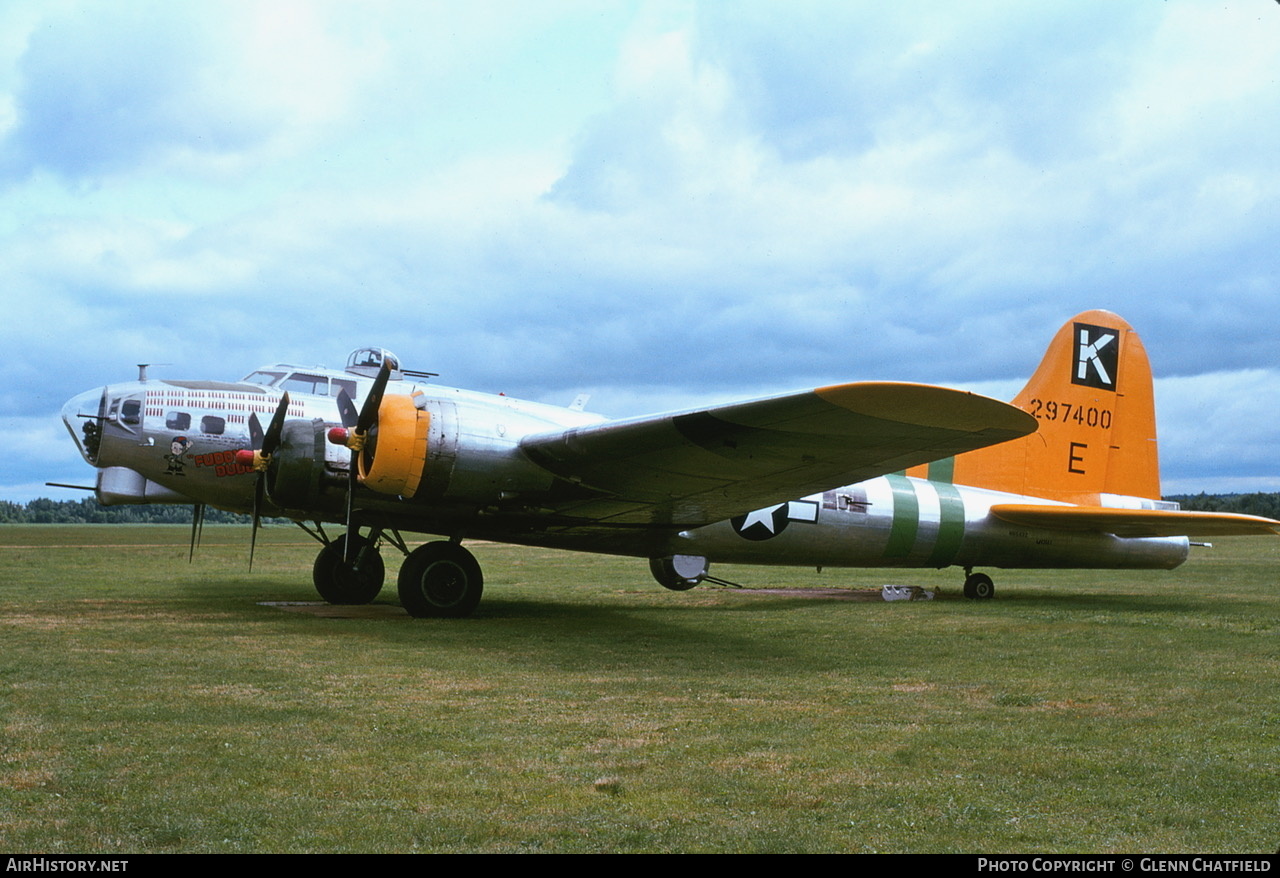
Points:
(175, 442)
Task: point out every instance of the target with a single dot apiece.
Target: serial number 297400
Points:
(1086, 416)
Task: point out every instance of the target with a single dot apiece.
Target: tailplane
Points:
(1094, 399)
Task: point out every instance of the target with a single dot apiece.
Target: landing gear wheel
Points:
(342, 582)
(679, 572)
(979, 587)
(440, 580)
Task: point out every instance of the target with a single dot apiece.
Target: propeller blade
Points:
(365, 422)
(352, 480)
(270, 441)
(259, 490)
(255, 431)
(197, 528)
(347, 410)
(272, 438)
(369, 411)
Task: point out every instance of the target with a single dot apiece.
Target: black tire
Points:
(979, 587)
(440, 580)
(338, 582)
(665, 573)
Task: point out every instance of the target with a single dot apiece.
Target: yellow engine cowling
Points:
(394, 461)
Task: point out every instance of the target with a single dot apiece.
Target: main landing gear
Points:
(440, 579)
(353, 577)
(978, 586)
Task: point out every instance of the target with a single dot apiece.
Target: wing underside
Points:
(698, 467)
(1135, 522)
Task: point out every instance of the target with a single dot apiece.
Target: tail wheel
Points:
(679, 572)
(440, 580)
(979, 587)
(356, 580)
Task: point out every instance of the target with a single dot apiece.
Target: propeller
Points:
(357, 429)
(197, 529)
(262, 446)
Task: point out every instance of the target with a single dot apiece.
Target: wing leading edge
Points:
(1135, 522)
(697, 467)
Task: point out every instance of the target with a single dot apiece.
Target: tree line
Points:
(1266, 505)
(89, 511)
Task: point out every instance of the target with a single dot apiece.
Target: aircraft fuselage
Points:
(176, 441)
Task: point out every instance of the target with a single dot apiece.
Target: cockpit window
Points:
(303, 382)
(300, 382)
(266, 379)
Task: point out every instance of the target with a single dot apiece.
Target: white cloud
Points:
(1217, 424)
(674, 202)
(203, 89)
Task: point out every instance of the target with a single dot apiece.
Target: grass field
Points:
(150, 705)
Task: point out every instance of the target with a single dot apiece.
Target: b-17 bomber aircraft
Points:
(851, 475)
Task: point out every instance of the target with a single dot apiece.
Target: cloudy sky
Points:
(661, 204)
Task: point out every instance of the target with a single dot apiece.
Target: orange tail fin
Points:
(1093, 397)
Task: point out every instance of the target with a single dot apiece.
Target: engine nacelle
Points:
(460, 451)
(296, 473)
(394, 456)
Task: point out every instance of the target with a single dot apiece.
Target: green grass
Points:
(150, 705)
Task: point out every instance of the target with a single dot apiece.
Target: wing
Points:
(1135, 522)
(698, 467)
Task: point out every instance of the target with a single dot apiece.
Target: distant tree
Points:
(88, 510)
(1264, 504)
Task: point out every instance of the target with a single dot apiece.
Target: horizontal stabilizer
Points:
(1135, 522)
(697, 467)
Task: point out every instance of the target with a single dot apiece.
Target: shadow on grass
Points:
(224, 594)
(636, 630)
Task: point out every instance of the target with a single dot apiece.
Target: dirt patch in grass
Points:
(844, 594)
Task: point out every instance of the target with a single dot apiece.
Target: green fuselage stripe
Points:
(950, 526)
(943, 471)
(906, 518)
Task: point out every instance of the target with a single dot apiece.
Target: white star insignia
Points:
(761, 516)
